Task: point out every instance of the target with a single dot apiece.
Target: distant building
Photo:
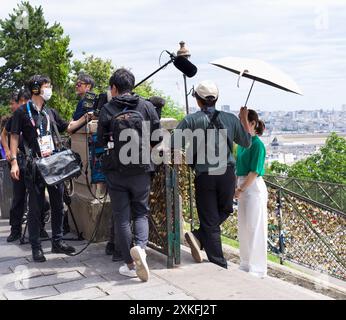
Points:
(275, 144)
(343, 108)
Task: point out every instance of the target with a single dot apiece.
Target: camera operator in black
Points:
(129, 193)
(32, 121)
(19, 197)
(84, 84)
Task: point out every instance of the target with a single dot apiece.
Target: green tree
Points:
(327, 165)
(29, 46)
(277, 168)
(4, 110)
(170, 110)
(56, 49)
(100, 70)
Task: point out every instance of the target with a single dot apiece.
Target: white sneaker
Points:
(260, 275)
(126, 271)
(139, 257)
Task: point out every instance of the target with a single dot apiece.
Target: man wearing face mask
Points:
(19, 188)
(34, 121)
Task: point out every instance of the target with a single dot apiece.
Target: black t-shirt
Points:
(21, 124)
(8, 129)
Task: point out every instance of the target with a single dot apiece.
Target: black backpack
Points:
(129, 119)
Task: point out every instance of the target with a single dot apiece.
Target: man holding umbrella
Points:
(214, 184)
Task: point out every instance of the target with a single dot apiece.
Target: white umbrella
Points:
(260, 71)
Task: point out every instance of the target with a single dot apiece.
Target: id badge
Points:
(46, 145)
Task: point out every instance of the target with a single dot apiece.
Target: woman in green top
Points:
(252, 198)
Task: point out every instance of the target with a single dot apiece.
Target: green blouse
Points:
(251, 159)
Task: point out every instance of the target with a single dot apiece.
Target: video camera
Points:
(93, 102)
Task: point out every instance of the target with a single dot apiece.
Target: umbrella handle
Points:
(240, 75)
(249, 93)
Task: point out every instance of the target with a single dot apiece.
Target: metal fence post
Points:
(281, 233)
(191, 200)
(169, 205)
(176, 224)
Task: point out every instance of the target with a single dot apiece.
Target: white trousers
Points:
(253, 227)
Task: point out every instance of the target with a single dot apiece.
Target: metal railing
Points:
(306, 232)
(300, 228)
(330, 194)
(164, 218)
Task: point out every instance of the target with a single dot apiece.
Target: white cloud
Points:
(285, 33)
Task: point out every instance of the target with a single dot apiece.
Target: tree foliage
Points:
(29, 45)
(326, 165)
(277, 168)
(170, 110)
(100, 70)
(32, 48)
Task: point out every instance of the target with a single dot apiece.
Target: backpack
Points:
(129, 119)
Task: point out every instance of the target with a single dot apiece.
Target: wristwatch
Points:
(13, 158)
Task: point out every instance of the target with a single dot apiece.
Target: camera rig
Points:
(93, 102)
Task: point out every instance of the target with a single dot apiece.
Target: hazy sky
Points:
(304, 38)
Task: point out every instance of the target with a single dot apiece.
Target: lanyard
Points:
(40, 131)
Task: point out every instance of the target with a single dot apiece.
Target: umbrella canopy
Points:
(260, 71)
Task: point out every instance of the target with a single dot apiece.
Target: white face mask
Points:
(47, 94)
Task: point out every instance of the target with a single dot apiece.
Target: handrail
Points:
(316, 233)
(305, 199)
(307, 180)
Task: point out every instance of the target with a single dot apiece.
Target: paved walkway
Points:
(92, 275)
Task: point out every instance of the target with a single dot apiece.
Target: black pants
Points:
(130, 200)
(113, 237)
(19, 203)
(36, 190)
(214, 200)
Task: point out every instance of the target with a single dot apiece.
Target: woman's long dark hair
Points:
(260, 126)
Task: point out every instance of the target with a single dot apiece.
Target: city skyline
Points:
(305, 39)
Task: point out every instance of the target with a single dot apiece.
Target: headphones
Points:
(36, 88)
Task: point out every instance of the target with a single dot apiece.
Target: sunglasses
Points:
(79, 84)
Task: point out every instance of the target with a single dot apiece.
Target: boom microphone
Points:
(185, 66)
(180, 62)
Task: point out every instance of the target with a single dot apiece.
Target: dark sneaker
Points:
(13, 236)
(195, 246)
(44, 234)
(38, 256)
(62, 247)
(109, 248)
(117, 256)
